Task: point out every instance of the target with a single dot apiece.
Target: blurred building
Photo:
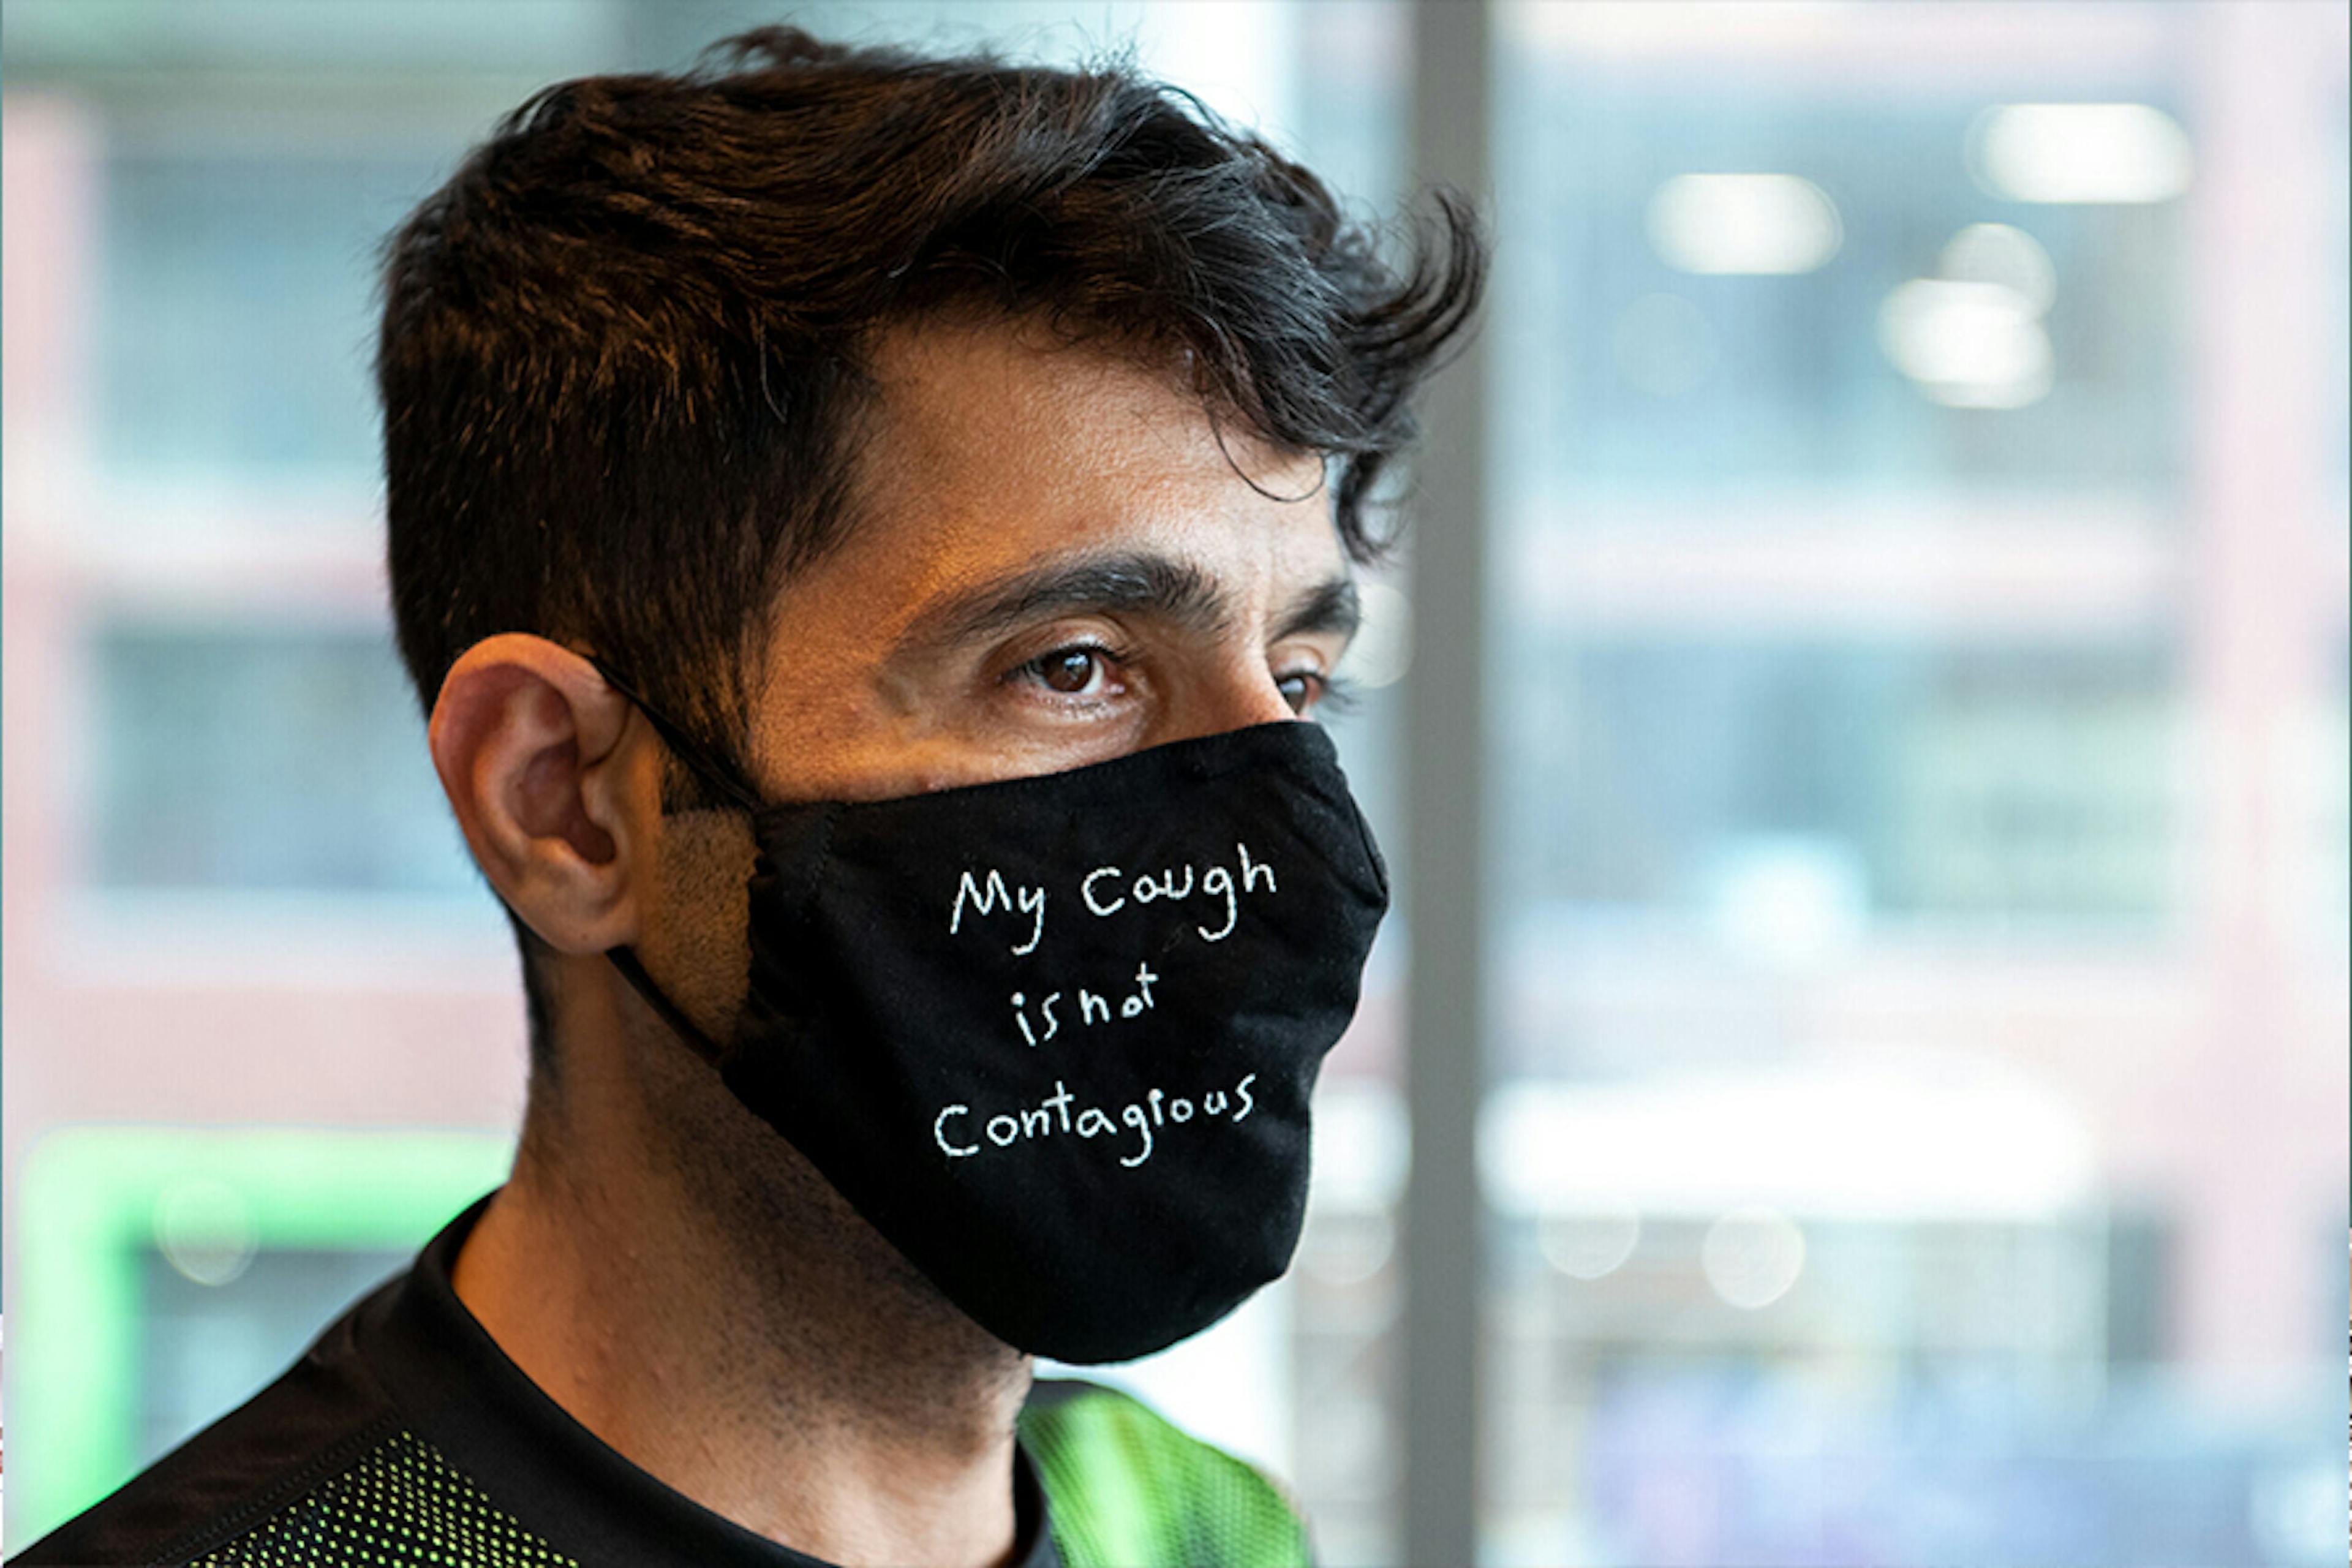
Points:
(1917, 708)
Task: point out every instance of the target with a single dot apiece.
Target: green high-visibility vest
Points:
(1124, 1489)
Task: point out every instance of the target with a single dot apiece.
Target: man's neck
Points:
(756, 1348)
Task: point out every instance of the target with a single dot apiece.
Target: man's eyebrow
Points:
(1136, 582)
(1331, 607)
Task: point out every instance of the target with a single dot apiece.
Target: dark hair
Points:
(622, 345)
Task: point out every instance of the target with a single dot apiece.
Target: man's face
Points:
(1052, 561)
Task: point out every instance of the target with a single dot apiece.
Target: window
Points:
(252, 756)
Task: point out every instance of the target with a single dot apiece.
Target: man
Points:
(864, 529)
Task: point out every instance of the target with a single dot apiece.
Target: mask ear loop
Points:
(624, 958)
(683, 746)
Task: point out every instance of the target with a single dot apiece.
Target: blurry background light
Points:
(2295, 1512)
(2002, 254)
(1589, 1246)
(1363, 1146)
(1348, 1249)
(1753, 1255)
(1383, 650)
(1968, 345)
(1789, 899)
(1881, 1135)
(1772, 224)
(205, 1230)
(2080, 152)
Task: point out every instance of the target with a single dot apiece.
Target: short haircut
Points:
(621, 346)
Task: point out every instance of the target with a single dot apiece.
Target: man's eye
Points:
(1070, 671)
(1302, 690)
(1312, 692)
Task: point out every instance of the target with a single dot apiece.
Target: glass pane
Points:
(237, 319)
(216, 1323)
(1917, 1129)
(252, 756)
(1998, 783)
(1711, 276)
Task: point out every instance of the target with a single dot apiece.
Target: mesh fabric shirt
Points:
(406, 1437)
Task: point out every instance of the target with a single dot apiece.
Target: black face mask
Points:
(1054, 1037)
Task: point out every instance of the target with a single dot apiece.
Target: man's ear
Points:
(557, 794)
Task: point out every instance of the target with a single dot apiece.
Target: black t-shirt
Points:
(406, 1437)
